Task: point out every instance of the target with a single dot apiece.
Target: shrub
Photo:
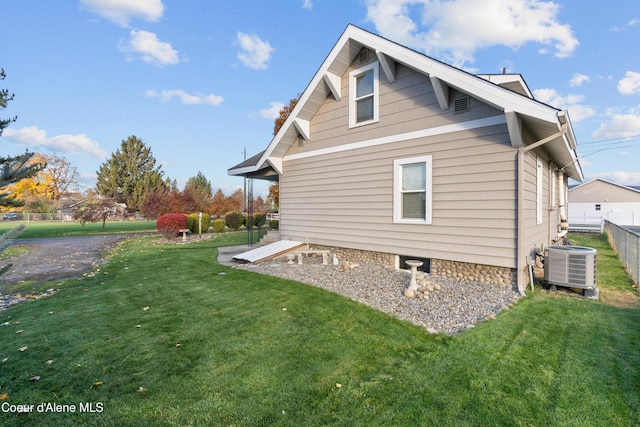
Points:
(274, 224)
(234, 220)
(193, 221)
(218, 225)
(170, 224)
(259, 219)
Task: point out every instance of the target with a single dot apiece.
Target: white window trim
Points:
(352, 94)
(539, 174)
(397, 190)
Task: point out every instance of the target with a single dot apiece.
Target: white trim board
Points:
(440, 130)
(269, 251)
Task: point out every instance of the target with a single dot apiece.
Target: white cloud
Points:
(571, 102)
(307, 4)
(630, 84)
(620, 124)
(184, 97)
(33, 137)
(631, 23)
(273, 111)
(455, 29)
(579, 79)
(620, 177)
(255, 53)
(151, 49)
(122, 12)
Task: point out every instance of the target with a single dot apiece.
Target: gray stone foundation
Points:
(355, 255)
(500, 276)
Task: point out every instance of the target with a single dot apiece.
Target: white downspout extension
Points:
(562, 202)
(521, 258)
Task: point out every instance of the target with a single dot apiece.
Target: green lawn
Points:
(41, 229)
(162, 335)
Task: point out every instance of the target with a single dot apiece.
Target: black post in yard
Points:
(250, 211)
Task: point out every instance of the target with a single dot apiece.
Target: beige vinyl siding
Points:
(409, 104)
(537, 235)
(346, 198)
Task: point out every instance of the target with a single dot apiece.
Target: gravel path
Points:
(455, 307)
(56, 258)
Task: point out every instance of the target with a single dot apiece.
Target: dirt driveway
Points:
(42, 260)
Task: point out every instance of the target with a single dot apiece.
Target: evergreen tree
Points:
(200, 186)
(130, 174)
(13, 169)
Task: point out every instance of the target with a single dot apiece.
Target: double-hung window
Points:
(363, 91)
(412, 190)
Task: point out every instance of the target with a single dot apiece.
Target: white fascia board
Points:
(334, 83)
(477, 87)
(313, 85)
(241, 171)
(442, 92)
(388, 66)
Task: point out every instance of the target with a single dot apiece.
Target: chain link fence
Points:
(626, 242)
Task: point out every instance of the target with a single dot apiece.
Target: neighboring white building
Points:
(594, 201)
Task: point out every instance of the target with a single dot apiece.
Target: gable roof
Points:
(541, 119)
(600, 189)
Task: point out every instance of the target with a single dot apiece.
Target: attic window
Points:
(461, 105)
(363, 95)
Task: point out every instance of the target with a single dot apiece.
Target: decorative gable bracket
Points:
(302, 126)
(514, 124)
(388, 66)
(442, 92)
(334, 84)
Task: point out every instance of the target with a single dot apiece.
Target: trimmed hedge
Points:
(274, 224)
(194, 221)
(218, 225)
(171, 223)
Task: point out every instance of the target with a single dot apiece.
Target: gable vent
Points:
(363, 56)
(461, 105)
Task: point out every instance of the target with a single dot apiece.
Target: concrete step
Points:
(272, 236)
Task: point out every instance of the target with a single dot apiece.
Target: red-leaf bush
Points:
(170, 225)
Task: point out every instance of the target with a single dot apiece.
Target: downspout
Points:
(521, 258)
(562, 204)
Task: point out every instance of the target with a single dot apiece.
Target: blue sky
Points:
(201, 81)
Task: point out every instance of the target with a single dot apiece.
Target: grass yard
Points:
(162, 335)
(43, 229)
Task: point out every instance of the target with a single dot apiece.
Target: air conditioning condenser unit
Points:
(570, 266)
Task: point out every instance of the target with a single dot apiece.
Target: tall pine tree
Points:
(130, 174)
(13, 169)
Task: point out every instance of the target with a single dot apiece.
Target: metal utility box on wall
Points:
(570, 266)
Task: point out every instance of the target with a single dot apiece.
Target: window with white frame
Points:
(363, 95)
(412, 190)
